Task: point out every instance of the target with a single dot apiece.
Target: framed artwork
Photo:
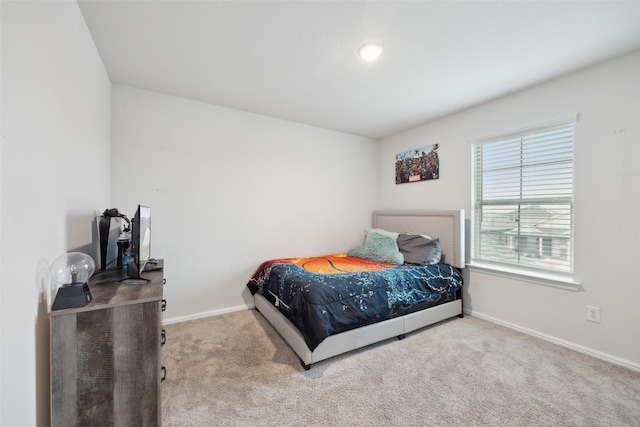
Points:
(416, 165)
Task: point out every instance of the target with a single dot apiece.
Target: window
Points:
(522, 212)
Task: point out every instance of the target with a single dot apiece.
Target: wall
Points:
(54, 177)
(229, 190)
(1, 144)
(607, 155)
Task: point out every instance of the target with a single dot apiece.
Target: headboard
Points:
(447, 225)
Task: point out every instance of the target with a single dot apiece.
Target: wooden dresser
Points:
(105, 357)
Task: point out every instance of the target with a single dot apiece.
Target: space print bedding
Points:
(329, 294)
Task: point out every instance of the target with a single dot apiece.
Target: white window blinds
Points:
(523, 198)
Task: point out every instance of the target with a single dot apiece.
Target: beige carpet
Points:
(235, 370)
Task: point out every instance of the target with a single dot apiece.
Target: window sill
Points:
(559, 282)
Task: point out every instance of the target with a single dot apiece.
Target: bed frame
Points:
(447, 225)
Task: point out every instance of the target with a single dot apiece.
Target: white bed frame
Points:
(447, 225)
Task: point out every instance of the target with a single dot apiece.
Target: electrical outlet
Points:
(593, 314)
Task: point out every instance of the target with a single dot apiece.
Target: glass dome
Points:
(72, 268)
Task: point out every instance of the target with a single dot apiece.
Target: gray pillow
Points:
(379, 248)
(417, 249)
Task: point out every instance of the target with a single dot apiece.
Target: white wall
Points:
(607, 202)
(54, 177)
(1, 144)
(229, 190)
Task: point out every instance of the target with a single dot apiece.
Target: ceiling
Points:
(297, 60)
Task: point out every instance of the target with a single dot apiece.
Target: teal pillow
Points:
(379, 248)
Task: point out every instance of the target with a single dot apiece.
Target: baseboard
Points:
(549, 338)
(555, 340)
(202, 315)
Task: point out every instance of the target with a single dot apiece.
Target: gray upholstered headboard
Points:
(447, 225)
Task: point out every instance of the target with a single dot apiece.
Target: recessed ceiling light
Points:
(370, 51)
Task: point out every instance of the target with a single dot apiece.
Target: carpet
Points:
(235, 370)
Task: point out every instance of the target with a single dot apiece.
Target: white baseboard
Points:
(549, 338)
(205, 314)
(555, 340)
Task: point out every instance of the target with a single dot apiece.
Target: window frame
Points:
(540, 275)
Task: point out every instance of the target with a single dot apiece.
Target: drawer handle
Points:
(163, 337)
(164, 281)
(164, 304)
(164, 373)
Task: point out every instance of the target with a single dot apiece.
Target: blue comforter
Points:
(321, 304)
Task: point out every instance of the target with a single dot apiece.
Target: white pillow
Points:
(391, 234)
(423, 235)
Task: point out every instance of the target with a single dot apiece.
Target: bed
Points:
(361, 301)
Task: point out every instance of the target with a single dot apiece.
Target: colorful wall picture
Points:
(416, 165)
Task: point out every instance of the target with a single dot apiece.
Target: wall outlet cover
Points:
(593, 314)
